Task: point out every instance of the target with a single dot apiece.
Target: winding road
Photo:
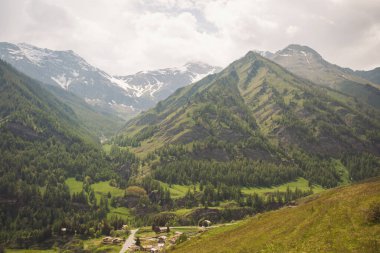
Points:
(130, 241)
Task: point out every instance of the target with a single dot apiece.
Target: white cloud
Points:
(127, 36)
(291, 30)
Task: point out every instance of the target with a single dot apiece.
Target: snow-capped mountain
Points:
(159, 84)
(126, 95)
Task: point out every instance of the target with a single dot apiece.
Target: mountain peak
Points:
(199, 67)
(266, 54)
(307, 63)
(235, 104)
(293, 49)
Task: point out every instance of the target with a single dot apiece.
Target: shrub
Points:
(182, 238)
(373, 213)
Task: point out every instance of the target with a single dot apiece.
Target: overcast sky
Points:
(125, 36)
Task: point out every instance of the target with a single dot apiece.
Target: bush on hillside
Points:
(373, 213)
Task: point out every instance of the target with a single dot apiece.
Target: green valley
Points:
(253, 143)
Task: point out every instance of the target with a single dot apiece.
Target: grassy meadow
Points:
(101, 189)
(300, 183)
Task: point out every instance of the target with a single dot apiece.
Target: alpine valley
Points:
(277, 152)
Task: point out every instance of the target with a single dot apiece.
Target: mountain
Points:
(307, 63)
(97, 120)
(69, 71)
(253, 110)
(42, 143)
(161, 83)
(124, 96)
(45, 65)
(345, 219)
(371, 75)
(33, 121)
(266, 54)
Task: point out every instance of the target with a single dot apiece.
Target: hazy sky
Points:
(125, 36)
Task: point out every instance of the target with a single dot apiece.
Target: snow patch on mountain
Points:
(130, 93)
(32, 53)
(62, 81)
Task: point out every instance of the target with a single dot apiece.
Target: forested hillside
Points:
(41, 144)
(256, 124)
(96, 120)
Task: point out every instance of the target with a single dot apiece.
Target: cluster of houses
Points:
(112, 240)
(157, 243)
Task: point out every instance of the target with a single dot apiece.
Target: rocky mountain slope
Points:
(124, 95)
(159, 84)
(307, 63)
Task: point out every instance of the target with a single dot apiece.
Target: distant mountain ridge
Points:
(372, 75)
(124, 95)
(158, 84)
(308, 63)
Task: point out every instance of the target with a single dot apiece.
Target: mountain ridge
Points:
(308, 63)
(253, 110)
(68, 70)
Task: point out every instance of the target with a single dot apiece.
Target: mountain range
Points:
(127, 95)
(203, 137)
(124, 96)
(254, 109)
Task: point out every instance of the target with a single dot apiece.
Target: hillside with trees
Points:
(41, 144)
(256, 124)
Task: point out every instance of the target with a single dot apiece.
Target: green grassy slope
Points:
(300, 183)
(332, 221)
(101, 189)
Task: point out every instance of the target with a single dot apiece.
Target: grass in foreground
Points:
(29, 251)
(332, 221)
